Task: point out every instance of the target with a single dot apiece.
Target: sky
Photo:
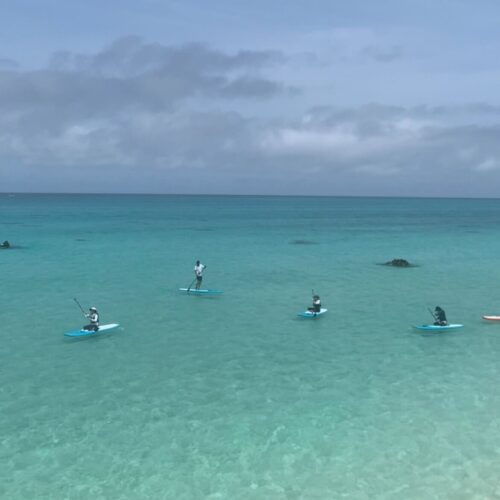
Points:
(318, 97)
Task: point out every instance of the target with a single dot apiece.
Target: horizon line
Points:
(229, 195)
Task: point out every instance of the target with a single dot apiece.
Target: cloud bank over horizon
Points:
(142, 116)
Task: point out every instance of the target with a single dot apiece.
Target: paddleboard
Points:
(492, 318)
(438, 328)
(88, 333)
(193, 291)
(310, 314)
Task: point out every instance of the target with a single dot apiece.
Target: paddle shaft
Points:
(81, 308)
(312, 293)
(189, 287)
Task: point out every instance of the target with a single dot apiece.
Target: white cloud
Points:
(488, 165)
(351, 138)
(378, 170)
(292, 141)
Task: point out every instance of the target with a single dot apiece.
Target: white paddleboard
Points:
(492, 318)
(201, 291)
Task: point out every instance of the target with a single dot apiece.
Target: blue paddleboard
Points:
(310, 314)
(438, 328)
(88, 333)
(193, 291)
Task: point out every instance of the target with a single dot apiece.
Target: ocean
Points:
(234, 396)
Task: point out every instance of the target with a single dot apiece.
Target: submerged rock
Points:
(398, 263)
(302, 242)
(7, 245)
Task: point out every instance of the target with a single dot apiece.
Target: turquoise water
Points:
(234, 397)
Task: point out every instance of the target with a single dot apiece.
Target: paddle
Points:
(189, 287)
(81, 308)
(432, 314)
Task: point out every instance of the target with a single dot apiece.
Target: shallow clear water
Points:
(234, 396)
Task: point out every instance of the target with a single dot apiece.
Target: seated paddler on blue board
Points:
(316, 304)
(439, 317)
(93, 317)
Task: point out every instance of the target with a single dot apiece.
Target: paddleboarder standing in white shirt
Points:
(198, 272)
